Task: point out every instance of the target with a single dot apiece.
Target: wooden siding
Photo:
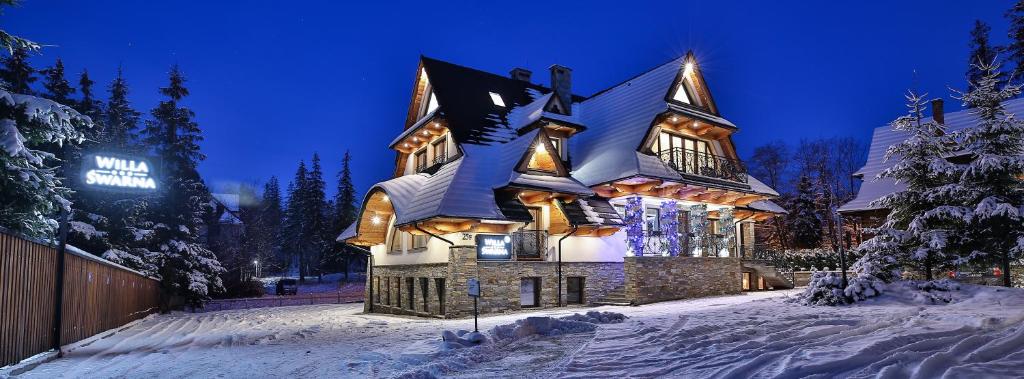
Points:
(98, 296)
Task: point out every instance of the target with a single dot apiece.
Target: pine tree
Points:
(89, 106)
(296, 224)
(57, 87)
(991, 183)
(804, 223)
(271, 216)
(187, 267)
(31, 190)
(346, 209)
(318, 213)
(1015, 48)
(923, 216)
(17, 75)
(121, 120)
(981, 51)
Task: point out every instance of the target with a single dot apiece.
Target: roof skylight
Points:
(496, 99)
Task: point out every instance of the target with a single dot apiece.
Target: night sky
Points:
(273, 82)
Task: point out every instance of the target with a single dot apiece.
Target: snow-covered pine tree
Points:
(1015, 47)
(89, 105)
(30, 187)
(346, 210)
(296, 225)
(922, 216)
(121, 121)
(17, 75)
(803, 221)
(981, 51)
(187, 267)
(991, 183)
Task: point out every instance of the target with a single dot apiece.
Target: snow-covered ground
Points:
(750, 335)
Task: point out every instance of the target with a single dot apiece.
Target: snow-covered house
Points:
(859, 211)
(633, 194)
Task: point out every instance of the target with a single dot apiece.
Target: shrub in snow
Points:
(937, 291)
(825, 288)
(543, 326)
(462, 338)
(595, 317)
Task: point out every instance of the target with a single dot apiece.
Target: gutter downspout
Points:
(417, 226)
(573, 231)
(369, 271)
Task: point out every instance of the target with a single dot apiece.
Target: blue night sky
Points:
(272, 82)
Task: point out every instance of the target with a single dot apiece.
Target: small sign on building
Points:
(474, 287)
(493, 247)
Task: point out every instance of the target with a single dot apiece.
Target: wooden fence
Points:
(98, 296)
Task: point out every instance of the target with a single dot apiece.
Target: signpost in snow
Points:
(474, 292)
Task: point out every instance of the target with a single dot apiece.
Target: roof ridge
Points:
(483, 72)
(645, 72)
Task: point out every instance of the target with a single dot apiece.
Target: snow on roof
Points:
(873, 188)
(520, 117)
(562, 184)
(228, 200)
(767, 206)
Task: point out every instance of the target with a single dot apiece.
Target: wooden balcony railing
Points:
(435, 163)
(691, 162)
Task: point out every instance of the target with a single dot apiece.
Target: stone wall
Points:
(500, 281)
(653, 279)
(390, 289)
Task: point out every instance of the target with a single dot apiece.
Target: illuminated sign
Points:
(493, 247)
(116, 172)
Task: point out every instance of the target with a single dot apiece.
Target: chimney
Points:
(561, 83)
(937, 113)
(520, 73)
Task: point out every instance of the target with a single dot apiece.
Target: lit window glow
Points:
(432, 104)
(680, 94)
(496, 99)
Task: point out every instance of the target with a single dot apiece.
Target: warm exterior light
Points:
(405, 144)
(255, 262)
(688, 68)
(384, 197)
(425, 132)
(415, 139)
(539, 148)
(675, 119)
(695, 124)
(437, 124)
(375, 220)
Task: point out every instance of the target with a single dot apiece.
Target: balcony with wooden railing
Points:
(692, 162)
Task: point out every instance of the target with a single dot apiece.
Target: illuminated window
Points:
(496, 99)
(557, 143)
(681, 95)
(432, 103)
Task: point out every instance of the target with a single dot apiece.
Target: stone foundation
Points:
(654, 279)
(499, 284)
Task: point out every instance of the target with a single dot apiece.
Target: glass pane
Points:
(663, 143)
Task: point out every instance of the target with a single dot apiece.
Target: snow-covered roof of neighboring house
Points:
(231, 208)
(873, 188)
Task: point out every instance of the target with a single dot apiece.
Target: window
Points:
(620, 209)
(387, 291)
(680, 94)
(686, 154)
(529, 292)
(746, 281)
(440, 148)
(420, 158)
(396, 241)
(424, 294)
(652, 220)
(419, 242)
(557, 143)
(496, 99)
(574, 290)
(439, 285)
(538, 219)
(431, 103)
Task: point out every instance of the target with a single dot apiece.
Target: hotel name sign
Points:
(117, 172)
(493, 247)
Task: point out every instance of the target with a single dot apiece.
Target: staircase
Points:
(616, 297)
(774, 276)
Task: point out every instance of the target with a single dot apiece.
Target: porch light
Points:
(405, 144)
(696, 124)
(436, 124)
(425, 132)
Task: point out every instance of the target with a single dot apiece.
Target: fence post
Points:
(58, 306)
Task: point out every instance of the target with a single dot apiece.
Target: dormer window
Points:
(496, 99)
(680, 94)
(428, 102)
(431, 104)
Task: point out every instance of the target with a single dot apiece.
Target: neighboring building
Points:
(858, 212)
(551, 198)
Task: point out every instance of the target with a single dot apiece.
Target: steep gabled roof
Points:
(463, 95)
(873, 188)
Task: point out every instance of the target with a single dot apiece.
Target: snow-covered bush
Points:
(938, 291)
(825, 288)
(871, 273)
(595, 317)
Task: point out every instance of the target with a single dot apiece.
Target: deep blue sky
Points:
(272, 81)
